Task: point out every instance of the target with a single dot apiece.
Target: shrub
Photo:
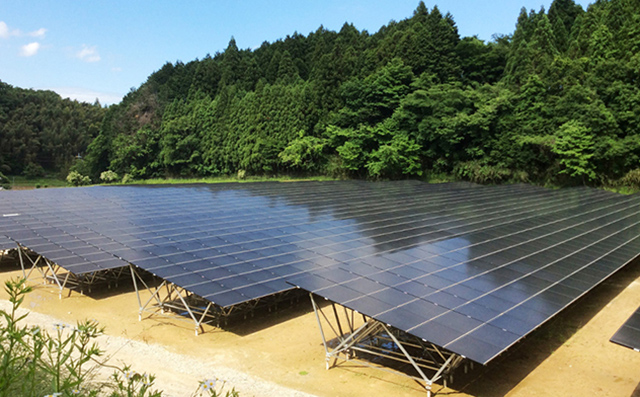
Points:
(476, 172)
(632, 179)
(35, 363)
(77, 179)
(127, 178)
(574, 145)
(304, 153)
(400, 156)
(126, 382)
(109, 176)
(242, 174)
(4, 182)
(334, 167)
(33, 171)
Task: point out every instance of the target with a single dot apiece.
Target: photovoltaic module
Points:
(469, 268)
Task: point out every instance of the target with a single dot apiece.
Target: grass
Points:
(438, 177)
(621, 189)
(226, 179)
(21, 182)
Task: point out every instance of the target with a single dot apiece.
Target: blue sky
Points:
(101, 49)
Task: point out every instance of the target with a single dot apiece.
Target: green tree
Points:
(574, 147)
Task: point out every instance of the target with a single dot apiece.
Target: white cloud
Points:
(116, 69)
(5, 32)
(88, 54)
(38, 33)
(29, 50)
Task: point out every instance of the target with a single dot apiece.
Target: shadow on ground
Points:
(269, 316)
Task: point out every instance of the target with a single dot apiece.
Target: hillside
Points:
(40, 131)
(557, 102)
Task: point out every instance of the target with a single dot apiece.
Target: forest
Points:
(39, 131)
(557, 102)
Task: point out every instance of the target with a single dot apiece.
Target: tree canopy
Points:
(558, 101)
(39, 130)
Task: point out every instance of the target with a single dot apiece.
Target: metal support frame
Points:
(52, 273)
(168, 297)
(164, 297)
(370, 337)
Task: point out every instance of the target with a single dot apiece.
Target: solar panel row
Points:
(69, 251)
(192, 232)
(629, 334)
(479, 293)
(471, 268)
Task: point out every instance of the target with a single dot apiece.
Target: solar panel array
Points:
(47, 222)
(6, 243)
(629, 334)
(504, 270)
(470, 268)
(229, 243)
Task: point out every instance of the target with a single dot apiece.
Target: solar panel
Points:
(476, 297)
(629, 334)
(6, 243)
(471, 267)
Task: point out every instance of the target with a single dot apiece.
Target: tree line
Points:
(41, 131)
(558, 101)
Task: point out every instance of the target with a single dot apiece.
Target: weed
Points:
(64, 363)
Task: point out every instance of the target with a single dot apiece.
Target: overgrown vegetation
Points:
(557, 102)
(67, 362)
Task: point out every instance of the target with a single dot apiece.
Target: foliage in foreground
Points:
(67, 361)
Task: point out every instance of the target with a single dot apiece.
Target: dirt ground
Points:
(282, 354)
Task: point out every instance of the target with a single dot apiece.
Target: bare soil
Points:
(281, 354)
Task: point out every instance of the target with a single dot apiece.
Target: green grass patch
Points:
(225, 179)
(21, 182)
(622, 189)
(438, 177)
